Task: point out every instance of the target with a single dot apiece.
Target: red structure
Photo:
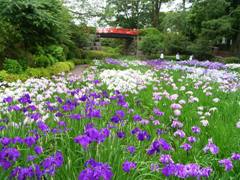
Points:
(117, 32)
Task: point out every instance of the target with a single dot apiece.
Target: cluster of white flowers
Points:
(233, 66)
(38, 89)
(126, 80)
(229, 81)
(135, 63)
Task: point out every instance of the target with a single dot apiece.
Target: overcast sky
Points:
(97, 4)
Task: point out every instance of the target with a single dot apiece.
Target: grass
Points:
(222, 128)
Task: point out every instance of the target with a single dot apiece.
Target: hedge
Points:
(55, 69)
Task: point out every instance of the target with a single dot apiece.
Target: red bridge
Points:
(117, 33)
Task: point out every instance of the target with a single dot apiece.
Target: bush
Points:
(77, 53)
(81, 61)
(12, 66)
(24, 63)
(3, 75)
(56, 52)
(42, 61)
(200, 49)
(59, 67)
(175, 43)
(93, 54)
(37, 72)
(228, 60)
(70, 64)
(151, 42)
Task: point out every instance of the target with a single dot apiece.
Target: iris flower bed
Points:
(133, 120)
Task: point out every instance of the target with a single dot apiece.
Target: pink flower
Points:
(156, 122)
(176, 106)
(177, 112)
(173, 97)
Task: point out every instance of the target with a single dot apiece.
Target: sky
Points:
(97, 4)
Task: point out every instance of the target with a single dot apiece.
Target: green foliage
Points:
(175, 22)
(57, 52)
(81, 61)
(175, 43)
(70, 64)
(8, 35)
(42, 61)
(38, 72)
(152, 42)
(201, 49)
(94, 54)
(24, 63)
(38, 21)
(228, 60)
(59, 67)
(3, 75)
(12, 66)
(111, 50)
(149, 32)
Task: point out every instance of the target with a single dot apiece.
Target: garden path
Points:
(79, 69)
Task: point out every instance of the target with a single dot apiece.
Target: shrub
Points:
(200, 49)
(151, 42)
(70, 64)
(12, 66)
(228, 60)
(3, 75)
(81, 61)
(93, 54)
(56, 51)
(42, 61)
(37, 72)
(24, 63)
(175, 43)
(77, 53)
(59, 67)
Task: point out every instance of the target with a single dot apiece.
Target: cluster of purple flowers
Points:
(96, 170)
(140, 134)
(227, 163)
(158, 64)
(29, 140)
(157, 145)
(127, 166)
(8, 156)
(166, 159)
(119, 115)
(115, 62)
(186, 171)
(206, 64)
(91, 135)
(211, 147)
(47, 167)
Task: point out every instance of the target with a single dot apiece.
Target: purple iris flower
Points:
(131, 149)
(96, 170)
(127, 166)
(121, 134)
(227, 163)
(186, 146)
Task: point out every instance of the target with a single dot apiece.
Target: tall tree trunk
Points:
(236, 45)
(184, 5)
(156, 12)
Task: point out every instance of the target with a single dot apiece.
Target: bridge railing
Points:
(132, 32)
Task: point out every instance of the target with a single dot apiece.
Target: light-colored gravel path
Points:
(79, 69)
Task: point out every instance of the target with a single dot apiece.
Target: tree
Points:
(133, 13)
(39, 22)
(127, 13)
